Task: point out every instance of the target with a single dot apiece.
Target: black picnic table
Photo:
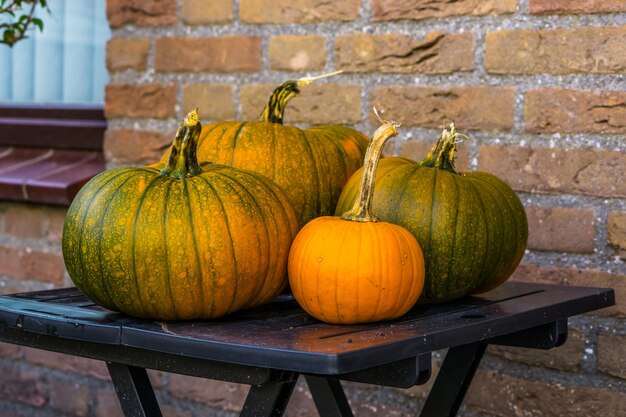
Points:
(270, 346)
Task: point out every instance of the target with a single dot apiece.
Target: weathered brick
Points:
(216, 101)
(125, 54)
(147, 100)
(23, 386)
(568, 357)
(70, 397)
(617, 232)
(56, 220)
(581, 277)
(25, 221)
(135, 147)
(298, 11)
(316, 104)
(107, 405)
(555, 110)
(576, 6)
(202, 12)
(214, 54)
(557, 51)
(67, 363)
(560, 229)
(31, 264)
(543, 170)
(503, 395)
(417, 150)
(487, 108)
(301, 403)
(424, 9)
(297, 53)
(10, 351)
(435, 53)
(141, 13)
(225, 395)
(611, 358)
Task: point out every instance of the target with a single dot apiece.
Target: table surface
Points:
(281, 335)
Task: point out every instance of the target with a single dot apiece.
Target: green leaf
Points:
(39, 23)
(8, 36)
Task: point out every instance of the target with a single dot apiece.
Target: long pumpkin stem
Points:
(361, 211)
(274, 111)
(183, 161)
(443, 152)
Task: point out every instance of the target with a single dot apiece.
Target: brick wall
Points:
(539, 85)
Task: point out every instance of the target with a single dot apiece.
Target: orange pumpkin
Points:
(355, 269)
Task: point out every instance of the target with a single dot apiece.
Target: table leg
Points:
(329, 397)
(134, 390)
(269, 399)
(454, 378)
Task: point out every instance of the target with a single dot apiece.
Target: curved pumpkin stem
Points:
(443, 152)
(274, 111)
(361, 211)
(183, 161)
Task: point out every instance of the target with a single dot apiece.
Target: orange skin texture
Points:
(345, 272)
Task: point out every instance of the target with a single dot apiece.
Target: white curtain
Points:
(64, 64)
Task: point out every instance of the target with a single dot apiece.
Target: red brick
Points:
(70, 397)
(135, 147)
(617, 232)
(141, 12)
(25, 221)
(298, 11)
(576, 6)
(417, 150)
(424, 9)
(202, 12)
(556, 51)
(568, 357)
(297, 53)
(67, 363)
(23, 386)
(554, 110)
(123, 54)
(216, 54)
(108, 406)
(27, 263)
(555, 171)
(580, 277)
(148, 100)
(9, 351)
(560, 229)
(56, 220)
(435, 53)
(611, 358)
(216, 101)
(224, 395)
(503, 395)
(487, 108)
(317, 104)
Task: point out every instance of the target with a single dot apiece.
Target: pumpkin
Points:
(310, 165)
(471, 226)
(356, 269)
(179, 241)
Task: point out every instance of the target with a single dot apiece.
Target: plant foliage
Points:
(16, 17)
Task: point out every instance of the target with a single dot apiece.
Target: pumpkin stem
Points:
(274, 111)
(443, 152)
(361, 211)
(183, 161)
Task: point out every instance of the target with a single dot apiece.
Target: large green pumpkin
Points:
(310, 165)
(471, 226)
(178, 241)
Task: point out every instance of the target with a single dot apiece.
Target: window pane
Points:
(63, 65)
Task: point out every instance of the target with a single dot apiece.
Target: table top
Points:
(281, 335)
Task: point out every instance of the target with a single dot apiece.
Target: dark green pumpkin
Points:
(471, 226)
(178, 241)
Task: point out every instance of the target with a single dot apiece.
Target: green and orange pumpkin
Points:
(310, 165)
(179, 241)
(471, 226)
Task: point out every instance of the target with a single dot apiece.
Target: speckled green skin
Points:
(472, 227)
(158, 247)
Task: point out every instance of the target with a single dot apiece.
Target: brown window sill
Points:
(47, 154)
